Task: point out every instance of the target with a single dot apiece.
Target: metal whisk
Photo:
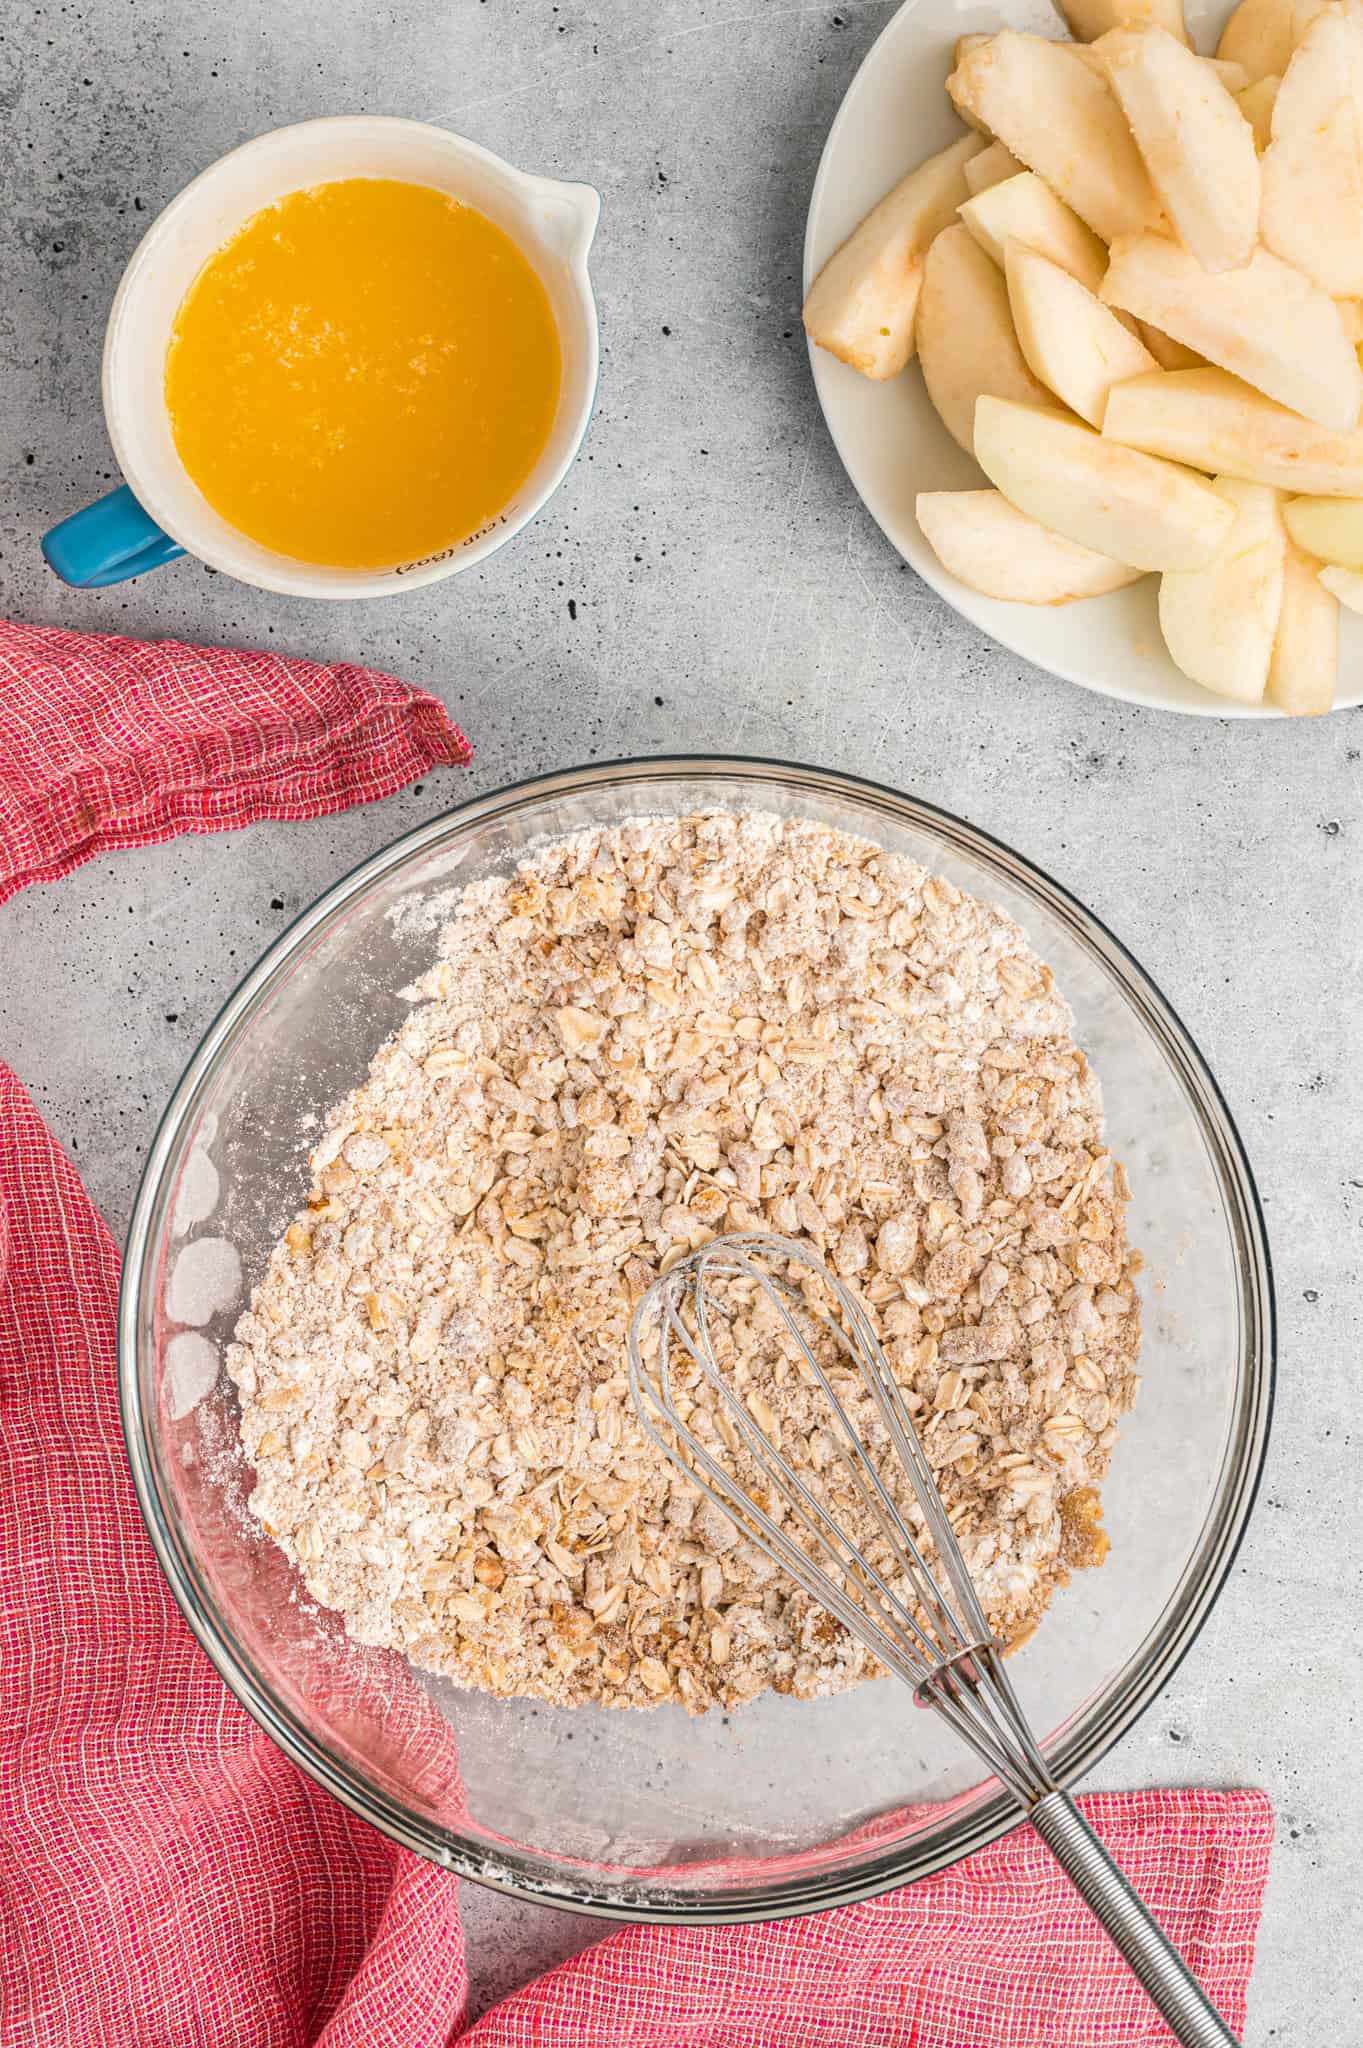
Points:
(918, 1613)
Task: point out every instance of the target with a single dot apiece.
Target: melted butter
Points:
(364, 375)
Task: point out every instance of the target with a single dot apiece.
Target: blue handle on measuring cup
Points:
(107, 542)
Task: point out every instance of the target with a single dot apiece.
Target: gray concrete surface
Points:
(707, 579)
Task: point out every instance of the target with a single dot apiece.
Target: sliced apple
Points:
(1070, 340)
(1089, 19)
(999, 551)
(1168, 353)
(1233, 76)
(1220, 620)
(1256, 103)
(1346, 585)
(1262, 34)
(1313, 167)
(1146, 513)
(1214, 422)
(1331, 529)
(966, 342)
(1305, 665)
(1265, 323)
(863, 303)
(963, 48)
(991, 167)
(1197, 145)
(1024, 209)
(1351, 314)
(1059, 116)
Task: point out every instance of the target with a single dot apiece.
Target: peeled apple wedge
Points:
(966, 343)
(1233, 76)
(1214, 422)
(1331, 529)
(1265, 323)
(863, 303)
(1146, 513)
(1197, 145)
(1220, 621)
(963, 48)
(1346, 585)
(1169, 354)
(999, 551)
(1305, 664)
(1089, 19)
(1351, 314)
(1313, 167)
(1070, 340)
(1256, 103)
(1058, 115)
(991, 167)
(1024, 209)
(1262, 34)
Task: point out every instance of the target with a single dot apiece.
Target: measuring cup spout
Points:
(568, 214)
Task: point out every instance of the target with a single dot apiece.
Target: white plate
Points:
(895, 113)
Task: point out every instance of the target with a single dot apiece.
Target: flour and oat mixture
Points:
(646, 1036)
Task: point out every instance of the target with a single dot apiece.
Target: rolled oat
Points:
(646, 1036)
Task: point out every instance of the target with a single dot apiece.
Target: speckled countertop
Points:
(706, 578)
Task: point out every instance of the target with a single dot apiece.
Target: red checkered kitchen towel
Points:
(167, 1878)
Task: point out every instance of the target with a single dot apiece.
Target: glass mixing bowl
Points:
(786, 1806)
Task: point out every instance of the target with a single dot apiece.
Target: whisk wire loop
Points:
(825, 1533)
(925, 1626)
(854, 1328)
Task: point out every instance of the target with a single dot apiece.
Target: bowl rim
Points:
(1096, 1726)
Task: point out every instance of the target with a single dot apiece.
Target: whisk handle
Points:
(1153, 1959)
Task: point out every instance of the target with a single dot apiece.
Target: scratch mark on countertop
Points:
(778, 591)
(557, 78)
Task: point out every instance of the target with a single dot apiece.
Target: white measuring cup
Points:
(159, 512)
